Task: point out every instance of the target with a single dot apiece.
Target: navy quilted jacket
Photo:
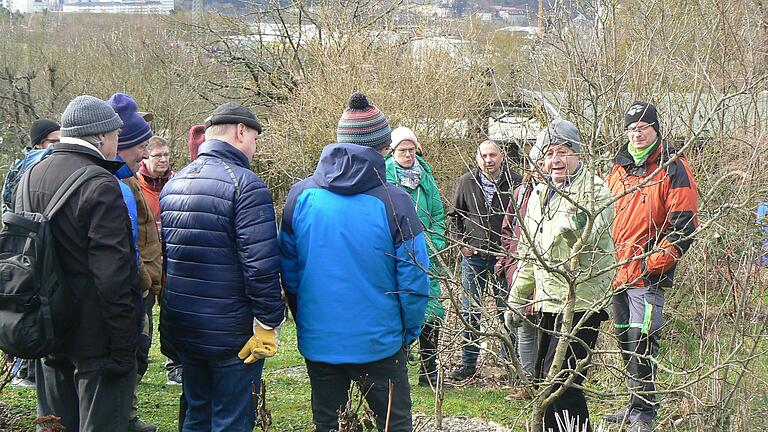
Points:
(222, 256)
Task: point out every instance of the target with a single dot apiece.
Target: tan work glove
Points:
(261, 345)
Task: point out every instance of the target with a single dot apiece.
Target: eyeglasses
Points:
(639, 129)
(559, 153)
(405, 151)
(160, 156)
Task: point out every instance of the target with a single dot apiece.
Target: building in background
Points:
(119, 6)
(30, 6)
(94, 6)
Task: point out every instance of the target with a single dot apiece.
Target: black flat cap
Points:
(233, 113)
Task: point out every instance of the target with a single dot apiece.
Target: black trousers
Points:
(572, 399)
(430, 333)
(78, 391)
(331, 382)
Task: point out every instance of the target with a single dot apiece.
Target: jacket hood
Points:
(350, 169)
(222, 150)
(124, 172)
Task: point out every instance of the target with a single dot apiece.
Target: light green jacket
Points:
(554, 228)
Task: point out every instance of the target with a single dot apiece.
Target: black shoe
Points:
(136, 425)
(431, 381)
(463, 372)
(428, 380)
(174, 376)
(617, 417)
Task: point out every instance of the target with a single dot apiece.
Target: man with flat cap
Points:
(222, 302)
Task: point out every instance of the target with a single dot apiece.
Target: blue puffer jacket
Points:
(222, 255)
(354, 260)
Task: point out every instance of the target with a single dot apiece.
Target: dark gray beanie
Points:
(559, 131)
(87, 115)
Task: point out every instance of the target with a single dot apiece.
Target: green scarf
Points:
(640, 155)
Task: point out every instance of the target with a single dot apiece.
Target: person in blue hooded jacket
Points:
(355, 268)
(42, 135)
(131, 150)
(222, 301)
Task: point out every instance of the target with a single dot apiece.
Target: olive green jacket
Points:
(555, 225)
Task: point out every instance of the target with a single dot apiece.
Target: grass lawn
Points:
(288, 394)
(288, 391)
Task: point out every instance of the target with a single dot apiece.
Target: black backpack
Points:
(38, 310)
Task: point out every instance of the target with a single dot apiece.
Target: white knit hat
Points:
(401, 134)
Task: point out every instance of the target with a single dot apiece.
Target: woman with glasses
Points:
(408, 170)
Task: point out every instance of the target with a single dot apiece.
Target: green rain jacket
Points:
(429, 208)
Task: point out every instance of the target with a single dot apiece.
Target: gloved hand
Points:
(261, 345)
(120, 363)
(512, 320)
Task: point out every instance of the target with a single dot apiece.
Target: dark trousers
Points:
(571, 406)
(430, 334)
(87, 400)
(478, 280)
(638, 316)
(331, 384)
(220, 394)
(142, 354)
(149, 303)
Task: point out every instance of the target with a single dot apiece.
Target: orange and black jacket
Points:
(658, 218)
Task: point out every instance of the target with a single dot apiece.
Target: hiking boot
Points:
(640, 426)
(619, 416)
(519, 393)
(427, 380)
(463, 372)
(23, 383)
(136, 425)
(174, 376)
(431, 382)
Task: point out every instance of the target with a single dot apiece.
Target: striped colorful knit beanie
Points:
(363, 124)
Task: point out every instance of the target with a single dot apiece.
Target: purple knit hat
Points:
(135, 129)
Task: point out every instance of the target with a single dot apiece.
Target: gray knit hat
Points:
(87, 115)
(559, 131)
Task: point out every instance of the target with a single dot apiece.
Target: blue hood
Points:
(124, 172)
(349, 169)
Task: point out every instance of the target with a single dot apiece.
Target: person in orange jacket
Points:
(656, 216)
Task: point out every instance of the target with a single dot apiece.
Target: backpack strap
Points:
(70, 185)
